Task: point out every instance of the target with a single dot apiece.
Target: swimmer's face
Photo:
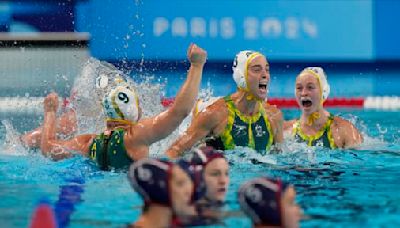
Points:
(308, 92)
(216, 177)
(291, 212)
(181, 189)
(258, 77)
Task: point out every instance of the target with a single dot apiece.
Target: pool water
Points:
(336, 188)
(340, 188)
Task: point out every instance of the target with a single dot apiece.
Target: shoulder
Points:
(341, 124)
(345, 133)
(216, 110)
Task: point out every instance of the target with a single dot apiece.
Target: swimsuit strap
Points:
(106, 140)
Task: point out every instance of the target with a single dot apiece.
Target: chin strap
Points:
(312, 118)
(250, 96)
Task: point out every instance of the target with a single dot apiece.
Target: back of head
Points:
(239, 68)
(260, 199)
(95, 80)
(204, 155)
(150, 178)
(122, 104)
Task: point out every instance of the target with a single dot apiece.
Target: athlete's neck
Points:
(155, 216)
(315, 119)
(245, 106)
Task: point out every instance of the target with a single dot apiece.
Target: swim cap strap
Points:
(246, 70)
(319, 82)
(312, 118)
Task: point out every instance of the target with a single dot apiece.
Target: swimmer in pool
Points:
(239, 119)
(214, 171)
(269, 203)
(127, 137)
(77, 111)
(165, 189)
(316, 126)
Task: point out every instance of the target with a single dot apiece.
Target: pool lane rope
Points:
(382, 103)
(34, 105)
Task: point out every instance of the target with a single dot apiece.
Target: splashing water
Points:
(97, 79)
(12, 144)
(157, 149)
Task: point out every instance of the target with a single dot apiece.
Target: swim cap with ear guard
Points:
(260, 199)
(150, 178)
(122, 104)
(240, 64)
(319, 73)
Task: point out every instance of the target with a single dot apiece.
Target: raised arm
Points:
(49, 145)
(160, 126)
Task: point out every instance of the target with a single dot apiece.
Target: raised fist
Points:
(196, 55)
(51, 102)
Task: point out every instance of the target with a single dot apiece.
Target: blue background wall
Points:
(295, 30)
(303, 30)
(387, 29)
(356, 41)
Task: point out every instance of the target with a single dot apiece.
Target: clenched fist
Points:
(51, 102)
(196, 55)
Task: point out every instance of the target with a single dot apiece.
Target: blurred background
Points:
(44, 42)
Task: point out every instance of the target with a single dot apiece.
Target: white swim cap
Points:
(319, 73)
(122, 103)
(240, 65)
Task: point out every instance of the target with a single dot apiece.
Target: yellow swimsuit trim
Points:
(232, 111)
(226, 135)
(128, 122)
(312, 138)
(271, 133)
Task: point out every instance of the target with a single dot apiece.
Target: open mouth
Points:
(222, 190)
(306, 102)
(263, 87)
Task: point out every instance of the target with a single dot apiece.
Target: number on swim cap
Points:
(123, 97)
(253, 194)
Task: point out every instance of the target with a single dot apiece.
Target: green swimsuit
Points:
(109, 151)
(321, 138)
(248, 131)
